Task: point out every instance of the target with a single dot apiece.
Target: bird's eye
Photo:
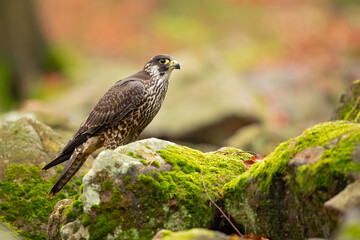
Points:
(164, 61)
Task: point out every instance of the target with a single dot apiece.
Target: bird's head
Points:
(161, 64)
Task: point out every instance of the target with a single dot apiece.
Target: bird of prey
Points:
(119, 116)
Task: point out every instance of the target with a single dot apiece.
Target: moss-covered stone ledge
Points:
(23, 202)
(127, 196)
(284, 195)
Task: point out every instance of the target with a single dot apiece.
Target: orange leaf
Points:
(248, 163)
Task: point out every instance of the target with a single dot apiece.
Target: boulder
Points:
(347, 204)
(23, 202)
(26, 146)
(349, 107)
(28, 141)
(348, 198)
(138, 189)
(57, 218)
(283, 196)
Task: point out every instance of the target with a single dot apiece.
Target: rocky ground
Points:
(307, 188)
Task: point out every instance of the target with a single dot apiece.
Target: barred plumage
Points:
(118, 118)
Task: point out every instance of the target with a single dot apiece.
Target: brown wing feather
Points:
(114, 105)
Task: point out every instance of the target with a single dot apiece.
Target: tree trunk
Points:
(22, 47)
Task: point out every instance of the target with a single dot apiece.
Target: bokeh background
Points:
(253, 73)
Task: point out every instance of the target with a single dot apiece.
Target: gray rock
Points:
(74, 231)
(57, 218)
(28, 141)
(346, 199)
(137, 189)
(118, 164)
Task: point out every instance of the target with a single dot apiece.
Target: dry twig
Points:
(222, 212)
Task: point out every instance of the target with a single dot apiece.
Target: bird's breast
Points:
(133, 123)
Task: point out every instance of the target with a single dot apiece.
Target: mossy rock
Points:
(283, 196)
(193, 234)
(125, 199)
(349, 107)
(26, 146)
(27, 141)
(23, 201)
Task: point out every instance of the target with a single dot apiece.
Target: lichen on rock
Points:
(124, 199)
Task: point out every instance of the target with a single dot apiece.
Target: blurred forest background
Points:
(253, 73)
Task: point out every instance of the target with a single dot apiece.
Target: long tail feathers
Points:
(61, 157)
(74, 164)
(77, 158)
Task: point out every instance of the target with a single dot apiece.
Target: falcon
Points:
(118, 118)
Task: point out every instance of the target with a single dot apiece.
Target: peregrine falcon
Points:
(119, 116)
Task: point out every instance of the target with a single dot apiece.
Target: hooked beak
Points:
(174, 64)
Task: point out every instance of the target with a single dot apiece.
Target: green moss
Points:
(196, 233)
(165, 199)
(166, 233)
(109, 215)
(350, 104)
(144, 162)
(127, 180)
(276, 162)
(350, 231)
(153, 163)
(156, 164)
(132, 154)
(76, 227)
(23, 200)
(107, 185)
(102, 226)
(305, 188)
(76, 210)
(217, 169)
(86, 220)
(335, 163)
